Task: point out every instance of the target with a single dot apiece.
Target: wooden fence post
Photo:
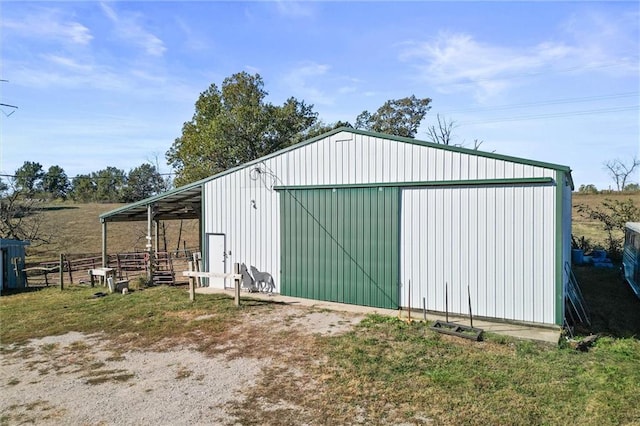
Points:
(68, 262)
(61, 271)
(236, 281)
(192, 285)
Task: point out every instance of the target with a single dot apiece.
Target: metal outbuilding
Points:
(12, 257)
(377, 220)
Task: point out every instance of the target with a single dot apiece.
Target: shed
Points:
(371, 219)
(12, 256)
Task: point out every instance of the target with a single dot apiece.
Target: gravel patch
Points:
(79, 379)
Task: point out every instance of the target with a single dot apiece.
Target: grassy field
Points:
(75, 229)
(589, 228)
(385, 371)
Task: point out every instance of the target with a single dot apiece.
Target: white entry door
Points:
(217, 258)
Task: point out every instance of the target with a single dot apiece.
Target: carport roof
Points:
(181, 203)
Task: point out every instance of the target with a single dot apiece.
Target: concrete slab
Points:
(519, 331)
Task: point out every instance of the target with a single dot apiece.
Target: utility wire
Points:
(554, 115)
(533, 74)
(547, 102)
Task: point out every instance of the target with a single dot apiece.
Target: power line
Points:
(87, 176)
(547, 102)
(534, 74)
(554, 115)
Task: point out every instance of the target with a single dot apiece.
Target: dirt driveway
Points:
(81, 379)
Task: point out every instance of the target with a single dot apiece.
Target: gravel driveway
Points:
(79, 379)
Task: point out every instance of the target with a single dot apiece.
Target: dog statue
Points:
(263, 280)
(247, 280)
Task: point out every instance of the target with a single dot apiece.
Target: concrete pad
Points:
(519, 331)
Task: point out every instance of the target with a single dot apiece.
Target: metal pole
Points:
(470, 313)
(446, 301)
(104, 245)
(424, 308)
(409, 319)
(148, 246)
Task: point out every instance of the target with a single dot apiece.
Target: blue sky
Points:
(110, 83)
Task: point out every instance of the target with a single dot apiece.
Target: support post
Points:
(156, 236)
(149, 245)
(192, 284)
(236, 281)
(104, 244)
(61, 270)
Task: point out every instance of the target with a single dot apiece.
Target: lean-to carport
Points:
(181, 203)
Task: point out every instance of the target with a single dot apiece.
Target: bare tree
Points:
(442, 133)
(20, 218)
(620, 171)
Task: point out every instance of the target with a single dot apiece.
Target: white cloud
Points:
(303, 82)
(48, 24)
(193, 41)
(458, 62)
(295, 9)
(129, 29)
(68, 63)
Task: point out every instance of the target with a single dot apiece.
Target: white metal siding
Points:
(498, 240)
(495, 240)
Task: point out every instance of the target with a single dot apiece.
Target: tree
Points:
(56, 183)
(588, 189)
(235, 125)
(83, 189)
(399, 117)
(109, 184)
(142, 182)
(620, 171)
(632, 187)
(28, 177)
(19, 218)
(613, 214)
(443, 133)
(320, 127)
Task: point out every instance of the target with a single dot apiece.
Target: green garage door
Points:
(341, 245)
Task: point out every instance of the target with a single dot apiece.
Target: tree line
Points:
(109, 185)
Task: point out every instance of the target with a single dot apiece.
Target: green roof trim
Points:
(441, 183)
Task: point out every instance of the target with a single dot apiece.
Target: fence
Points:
(75, 267)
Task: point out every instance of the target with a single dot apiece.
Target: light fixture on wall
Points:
(253, 204)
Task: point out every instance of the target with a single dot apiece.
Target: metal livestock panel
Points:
(499, 241)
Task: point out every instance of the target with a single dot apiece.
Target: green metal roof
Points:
(185, 202)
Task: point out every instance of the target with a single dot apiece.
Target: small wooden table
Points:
(103, 273)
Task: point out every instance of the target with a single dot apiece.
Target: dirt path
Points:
(81, 379)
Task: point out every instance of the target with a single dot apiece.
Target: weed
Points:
(98, 377)
(183, 373)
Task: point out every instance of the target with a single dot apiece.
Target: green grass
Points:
(142, 318)
(389, 363)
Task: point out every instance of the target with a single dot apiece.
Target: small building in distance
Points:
(12, 256)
